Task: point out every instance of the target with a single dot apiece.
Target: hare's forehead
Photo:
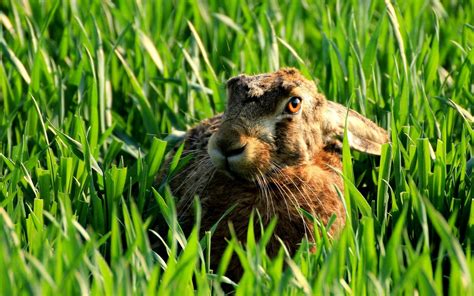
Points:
(262, 95)
(268, 102)
(245, 87)
(257, 106)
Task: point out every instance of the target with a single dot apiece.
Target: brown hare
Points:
(275, 150)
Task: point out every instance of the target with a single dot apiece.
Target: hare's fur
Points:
(257, 157)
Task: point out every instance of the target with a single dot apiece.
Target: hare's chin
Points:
(239, 176)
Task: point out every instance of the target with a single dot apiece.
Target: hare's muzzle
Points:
(237, 153)
(227, 151)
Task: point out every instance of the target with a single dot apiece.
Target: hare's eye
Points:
(293, 105)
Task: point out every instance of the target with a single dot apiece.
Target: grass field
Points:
(89, 92)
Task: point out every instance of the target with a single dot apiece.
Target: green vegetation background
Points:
(88, 89)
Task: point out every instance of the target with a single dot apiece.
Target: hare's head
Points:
(279, 120)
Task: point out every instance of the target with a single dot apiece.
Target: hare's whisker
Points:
(266, 191)
(283, 196)
(192, 167)
(303, 183)
(262, 191)
(203, 166)
(187, 179)
(296, 205)
(291, 195)
(201, 173)
(188, 195)
(188, 168)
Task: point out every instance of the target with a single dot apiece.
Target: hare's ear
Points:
(363, 134)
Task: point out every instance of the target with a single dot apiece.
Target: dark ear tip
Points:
(234, 80)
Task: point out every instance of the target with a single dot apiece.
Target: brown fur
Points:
(283, 162)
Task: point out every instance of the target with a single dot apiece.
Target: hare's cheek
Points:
(258, 156)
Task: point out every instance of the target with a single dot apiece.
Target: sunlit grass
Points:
(89, 91)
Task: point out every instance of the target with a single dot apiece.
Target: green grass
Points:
(89, 91)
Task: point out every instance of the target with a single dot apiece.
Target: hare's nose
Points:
(234, 150)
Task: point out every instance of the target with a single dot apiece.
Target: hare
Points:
(275, 149)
